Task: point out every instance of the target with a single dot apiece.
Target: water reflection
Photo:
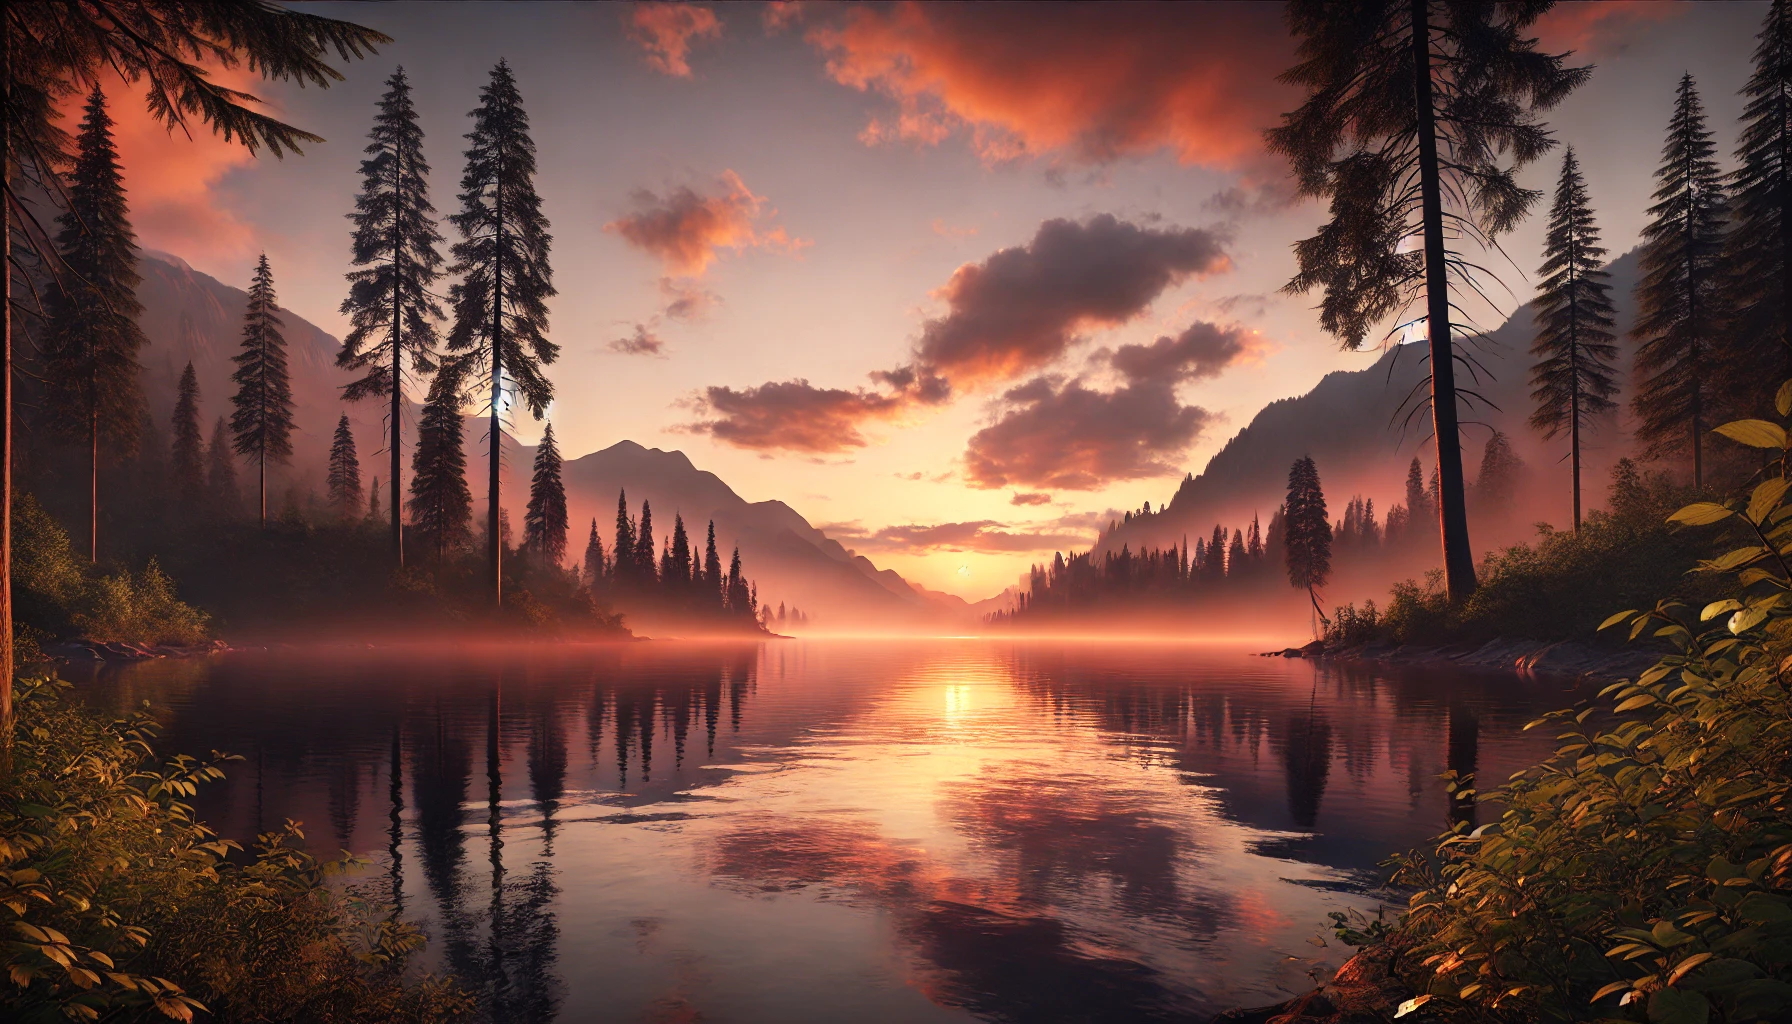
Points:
(902, 832)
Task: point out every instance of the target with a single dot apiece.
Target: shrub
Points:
(1645, 870)
(139, 610)
(1349, 627)
(119, 906)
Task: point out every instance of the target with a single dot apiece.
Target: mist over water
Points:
(913, 830)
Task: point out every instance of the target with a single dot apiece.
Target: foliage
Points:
(544, 521)
(188, 448)
(1350, 626)
(58, 592)
(1307, 530)
(344, 478)
(1556, 587)
(1644, 871)
(441, 503)
(120, 906)
(262, 423)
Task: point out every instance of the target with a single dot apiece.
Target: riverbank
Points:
(1569, 658)
(1363, 991)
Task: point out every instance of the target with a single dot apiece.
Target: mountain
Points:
(1350, 423)
(192, 316)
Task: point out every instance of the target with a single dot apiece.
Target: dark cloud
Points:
(644, 342)
(1074, 438)
(1024, 306)
(984, 535)
(792, 416)
(1030, 498)
(1203, 350)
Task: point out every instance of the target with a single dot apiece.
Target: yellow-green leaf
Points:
(1410, 1005)
(1716, 608)
(1687, 965)
(1755, 433)
(1732, 559)
(1767, 495)
(1782, 402)
(1621, 617)
(1614, 987)
(1701, 513)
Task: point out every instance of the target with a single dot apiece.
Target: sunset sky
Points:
(955, 282)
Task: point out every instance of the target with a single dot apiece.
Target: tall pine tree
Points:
(344, 482)
(1677, 295)
(622, 553)
(262, 422)
(500, 304)
(189, 443)
(441, 503)
(646, 563)
(91, 390)
(1573, 378)
(1418, 113)
(391, 310)
(544, 521)
(1758, 282)
(1308, 532)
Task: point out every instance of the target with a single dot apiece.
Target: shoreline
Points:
(1575, 659)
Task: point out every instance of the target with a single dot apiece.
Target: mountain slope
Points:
(1348, 423)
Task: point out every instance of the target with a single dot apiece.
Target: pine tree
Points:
(622, 553)
(544, 522)
(1307, 532)
(1573, 378)
(594, 558)
(262, 423)
(500, 304)
(220, 477)
(1235, 554)
(1758, 283)
(1677, 300)
(680, 575)
(391, 310)
(374, 515)
(712, 566)
(344, 482)
(1496, 486)
(1418, 114)
(645, 562)
(441, 504)
(91, 390)
(738, 599)
(1419, 510)
(189, 443)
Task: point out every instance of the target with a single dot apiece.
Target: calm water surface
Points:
(938, 830)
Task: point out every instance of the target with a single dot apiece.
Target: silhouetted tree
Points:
(374, 515)
(1758, 282)
(52, 52)
(622, 553)
(594, 567)
(1573, 378)
(1677, 295)
(91, 391)
(220, 476)
(1419, 510)
(645, 561)
(262, 423)
(500, 304)
(678, 574)
(441, 503)
(392, 313)
(1497, 483)
(344, 481)
(544, 521)
(1308, 536)
(712, 564)
(189, 443)
(1418, 113)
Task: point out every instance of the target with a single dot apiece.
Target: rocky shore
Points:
(1362, 992)
(1572, 658)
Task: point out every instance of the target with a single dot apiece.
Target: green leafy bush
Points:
(56, 591)
(1644, 872)
(118, 906)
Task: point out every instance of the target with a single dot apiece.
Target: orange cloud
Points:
(793, 416)
(1585, 25)
(685, 229)
(1067, 436)
(171, 179)
(1090, 82)
(665, 31)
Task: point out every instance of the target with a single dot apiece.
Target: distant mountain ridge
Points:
(192, 316)
(1347, 423)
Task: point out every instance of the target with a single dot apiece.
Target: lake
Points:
(822, 830)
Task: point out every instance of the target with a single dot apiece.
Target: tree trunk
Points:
(1574, 373)
(264, 487)
(1459, 561)
(494, 540)
(6, 495)
(93, 479)
(397, 357)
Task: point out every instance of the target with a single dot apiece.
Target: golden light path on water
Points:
(909, 830)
